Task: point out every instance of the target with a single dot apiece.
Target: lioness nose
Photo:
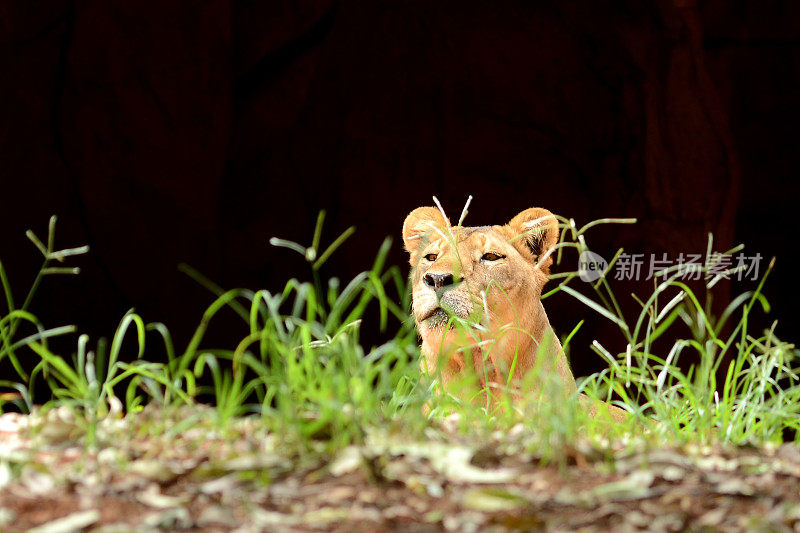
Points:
(438, 281)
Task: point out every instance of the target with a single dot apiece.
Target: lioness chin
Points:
(490, 277)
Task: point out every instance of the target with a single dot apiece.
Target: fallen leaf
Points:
(493, 500)
(633, 487)
(69, 523)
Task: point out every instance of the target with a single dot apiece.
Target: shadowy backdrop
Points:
(168, 132)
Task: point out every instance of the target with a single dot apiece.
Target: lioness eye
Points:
(491, 256)
(431, 257)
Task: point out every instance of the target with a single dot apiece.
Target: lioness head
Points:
(492, 278)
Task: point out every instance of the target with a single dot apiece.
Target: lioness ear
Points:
(535, 231)
(418, 226)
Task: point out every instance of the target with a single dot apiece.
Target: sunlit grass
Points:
(302, 370)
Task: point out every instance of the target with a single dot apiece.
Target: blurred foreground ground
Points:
(157, 472)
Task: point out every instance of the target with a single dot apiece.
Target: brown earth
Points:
(196, 480)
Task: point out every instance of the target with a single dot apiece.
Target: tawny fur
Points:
(500, 291)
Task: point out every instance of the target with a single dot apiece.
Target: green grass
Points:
(301, 369)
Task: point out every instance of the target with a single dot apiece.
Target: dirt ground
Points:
(147, 473)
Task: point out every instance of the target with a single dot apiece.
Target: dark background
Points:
(168, 132)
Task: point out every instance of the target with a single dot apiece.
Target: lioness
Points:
(492, 278)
